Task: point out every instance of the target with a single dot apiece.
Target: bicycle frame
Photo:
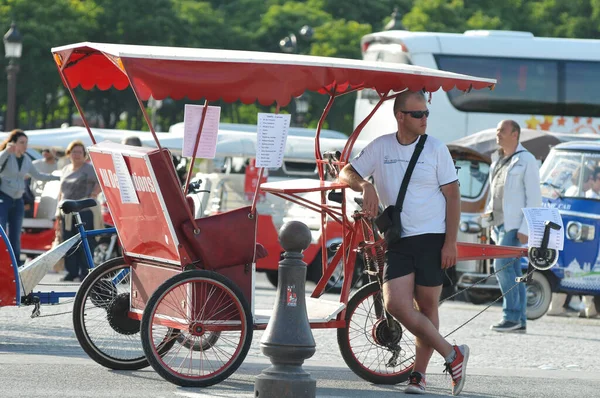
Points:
(84, 234)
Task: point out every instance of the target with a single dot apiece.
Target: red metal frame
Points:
(164, 74)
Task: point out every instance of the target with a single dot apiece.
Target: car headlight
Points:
(579, 232)
(469, 227)
(574, 230)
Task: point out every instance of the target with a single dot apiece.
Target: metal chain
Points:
(525, 277)
(480, 281)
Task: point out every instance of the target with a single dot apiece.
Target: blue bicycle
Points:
(17, 283)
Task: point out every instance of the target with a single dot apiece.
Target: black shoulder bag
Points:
(389, 222)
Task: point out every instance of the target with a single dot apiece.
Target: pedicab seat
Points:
(226, 239)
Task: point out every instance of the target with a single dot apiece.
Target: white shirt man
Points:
(430, 214)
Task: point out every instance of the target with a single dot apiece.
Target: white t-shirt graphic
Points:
(424, 208)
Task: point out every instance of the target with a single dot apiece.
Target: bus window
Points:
(582, 88)
(526, 86)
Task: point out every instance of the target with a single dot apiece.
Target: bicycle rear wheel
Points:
(368, 346)
(101, 322)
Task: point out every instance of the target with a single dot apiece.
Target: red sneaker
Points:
(416, 384)
(458, 368)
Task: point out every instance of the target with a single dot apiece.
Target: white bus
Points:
(543, 83)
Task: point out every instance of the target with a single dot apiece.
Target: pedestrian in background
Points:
(78, 181)
(47, 164)
(15, 165)
(515, 184)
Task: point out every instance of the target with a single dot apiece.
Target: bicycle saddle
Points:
(71, 206)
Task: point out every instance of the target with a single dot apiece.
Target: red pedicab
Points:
(187, 284)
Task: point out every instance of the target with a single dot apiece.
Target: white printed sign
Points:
(536, 218)
(207, 147)
(126, 187)
(271, 138)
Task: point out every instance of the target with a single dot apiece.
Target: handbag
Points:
(224, 239)
(389, 222)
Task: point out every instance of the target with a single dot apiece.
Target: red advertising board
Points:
(146, 229)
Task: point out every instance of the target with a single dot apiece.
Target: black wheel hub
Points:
(103, 293)
(386, 336)
(117, 315)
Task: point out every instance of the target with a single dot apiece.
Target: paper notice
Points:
(271, 138)
(128, 194)
(536, 218)
(192, 117)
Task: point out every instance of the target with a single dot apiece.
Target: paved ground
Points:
(558, 357)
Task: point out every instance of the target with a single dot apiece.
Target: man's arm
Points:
(452, 194)
(533, 195)
(370, 200)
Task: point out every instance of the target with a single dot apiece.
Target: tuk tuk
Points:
(563, 156)
(570, 182)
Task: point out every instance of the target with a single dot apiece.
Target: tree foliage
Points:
(256, 25)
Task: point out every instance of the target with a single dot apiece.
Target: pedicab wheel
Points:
(210, 340)
(373, 350)
(198, 303)
(100, 320)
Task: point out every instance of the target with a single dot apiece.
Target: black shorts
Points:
(419, 254)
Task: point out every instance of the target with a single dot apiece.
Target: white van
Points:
(543, 83)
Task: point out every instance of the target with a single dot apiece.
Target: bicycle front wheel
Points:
(373, 350)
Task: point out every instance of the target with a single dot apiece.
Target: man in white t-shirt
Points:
(430, 215)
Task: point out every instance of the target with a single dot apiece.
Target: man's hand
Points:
(522, 238)
(370, 200)
(449, 254)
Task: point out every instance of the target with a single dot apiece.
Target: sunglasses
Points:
(417, 114)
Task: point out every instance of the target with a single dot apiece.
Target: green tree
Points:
(44, 24)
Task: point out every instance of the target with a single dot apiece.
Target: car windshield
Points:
(570, 174)
(472, 176)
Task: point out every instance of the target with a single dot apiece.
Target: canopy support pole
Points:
(77, 105)
(167, 159)
(191, 169)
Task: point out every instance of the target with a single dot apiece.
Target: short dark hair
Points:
(132, 140)
(400, 101)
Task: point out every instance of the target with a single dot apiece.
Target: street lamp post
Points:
(13, 44)
(289, 44)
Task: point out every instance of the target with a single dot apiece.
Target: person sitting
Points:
(594, 192)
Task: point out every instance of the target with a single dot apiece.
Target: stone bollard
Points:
(288, 340)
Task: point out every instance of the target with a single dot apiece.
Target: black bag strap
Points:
(503, 162)
(409, 170)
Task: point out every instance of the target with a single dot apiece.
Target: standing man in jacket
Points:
(515, 184)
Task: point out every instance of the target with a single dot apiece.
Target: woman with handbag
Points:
(78, 181)
(15, 165)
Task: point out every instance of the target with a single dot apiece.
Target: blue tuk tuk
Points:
(570, 182)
